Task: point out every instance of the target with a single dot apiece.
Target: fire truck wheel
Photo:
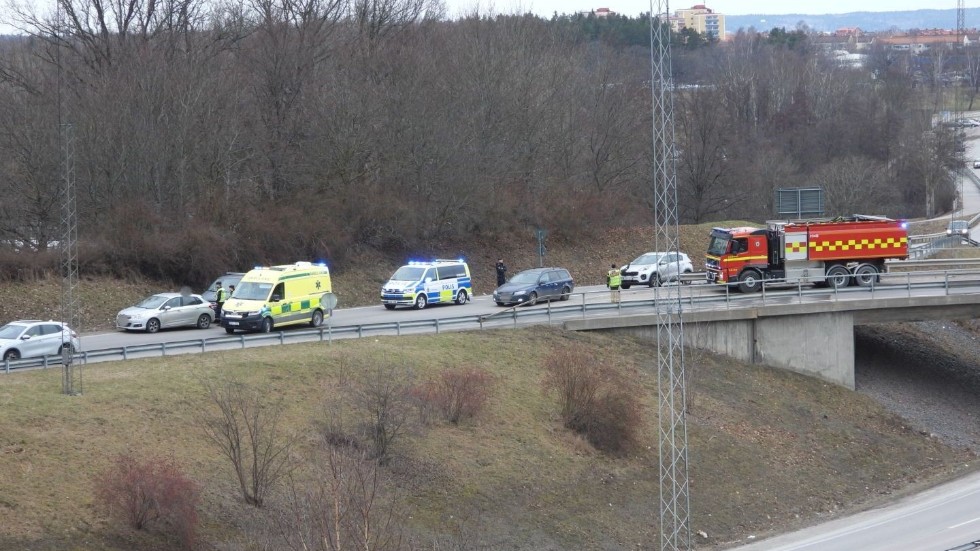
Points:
(866, 275)
(749, 281)
(838, 277)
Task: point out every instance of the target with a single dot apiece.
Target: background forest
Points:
(210, 136)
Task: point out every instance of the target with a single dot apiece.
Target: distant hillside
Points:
(866, 21)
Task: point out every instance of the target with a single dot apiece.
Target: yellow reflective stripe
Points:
(742, 258)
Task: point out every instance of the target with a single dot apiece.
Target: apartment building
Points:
(699, 18)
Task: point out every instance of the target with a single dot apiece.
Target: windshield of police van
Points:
(249, 290)
(718, 245)
(408, 273)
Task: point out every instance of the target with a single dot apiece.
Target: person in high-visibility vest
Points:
(219, 298)
(613, 280)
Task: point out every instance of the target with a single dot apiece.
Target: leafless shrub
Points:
(153, 491)
(384, 396)
(457, 394)
(346, 503)
(249, 434)
(596, 400)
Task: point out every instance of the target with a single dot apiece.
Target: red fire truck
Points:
(834, 252)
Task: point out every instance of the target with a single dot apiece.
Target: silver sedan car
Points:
(165, 310)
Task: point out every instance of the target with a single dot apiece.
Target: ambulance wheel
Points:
(749, 281)
(317, 319)
(866, 275)
(461, 296)
(838, 277)
(266, 326)
(390, 306)
(420, 302)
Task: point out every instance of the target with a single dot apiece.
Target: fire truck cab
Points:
(828, 252)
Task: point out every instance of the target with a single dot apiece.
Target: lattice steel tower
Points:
(71, 376)
(675, 532)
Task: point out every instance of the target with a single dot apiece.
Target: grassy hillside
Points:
(767, 448)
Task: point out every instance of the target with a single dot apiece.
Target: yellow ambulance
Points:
(276, 296)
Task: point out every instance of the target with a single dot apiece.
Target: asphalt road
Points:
(939, 519)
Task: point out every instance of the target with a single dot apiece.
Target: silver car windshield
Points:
(11, 331)
(646, 259)
(153, 302)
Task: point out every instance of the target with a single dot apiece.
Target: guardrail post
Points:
(513, 314)
(728, 302)
(583, 305)
(908, 283)
(763, 292)
(6, 366)
(398, 328)
(125, 353)
(282, 337)
(549, 312)
(163, 349)
(242, 337)
(360, 332)
(946, 281)
(203, 343)
(437, 326)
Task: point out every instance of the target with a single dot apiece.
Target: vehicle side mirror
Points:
(165, 308)
(428, 280)
(25, 337)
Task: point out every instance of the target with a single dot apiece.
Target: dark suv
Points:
(530, 286)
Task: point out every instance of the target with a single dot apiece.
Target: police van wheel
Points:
(266, 326)
(461, 296)
(420, 302)
(389, 306)
(317, 319)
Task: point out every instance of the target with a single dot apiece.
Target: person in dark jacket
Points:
(501, 272)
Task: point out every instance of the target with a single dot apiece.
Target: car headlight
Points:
(520, 293)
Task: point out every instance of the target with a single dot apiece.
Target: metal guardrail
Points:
(578, 305)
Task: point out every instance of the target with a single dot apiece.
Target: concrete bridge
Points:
(812, 338)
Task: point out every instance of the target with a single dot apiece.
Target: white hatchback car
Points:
(165, 310)
(655, 269)
(35, 338)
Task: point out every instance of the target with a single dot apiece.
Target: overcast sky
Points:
(633, 8)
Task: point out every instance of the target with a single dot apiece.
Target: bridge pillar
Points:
(819, 345)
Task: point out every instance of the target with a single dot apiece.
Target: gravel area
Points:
(928, 373)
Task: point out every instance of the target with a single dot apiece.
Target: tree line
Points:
(210, 136)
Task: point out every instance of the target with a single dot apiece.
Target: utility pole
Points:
(675, 507)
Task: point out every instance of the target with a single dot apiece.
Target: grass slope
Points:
(767, 448)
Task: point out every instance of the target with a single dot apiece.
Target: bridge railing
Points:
(578, 305)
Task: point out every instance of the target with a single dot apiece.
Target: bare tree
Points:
(247, 430)
(346, 502)
(384, 396)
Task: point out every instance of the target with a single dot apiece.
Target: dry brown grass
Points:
(767, 448)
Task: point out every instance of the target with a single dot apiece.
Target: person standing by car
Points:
(501, 272)
(613, 280)
(219, 299)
